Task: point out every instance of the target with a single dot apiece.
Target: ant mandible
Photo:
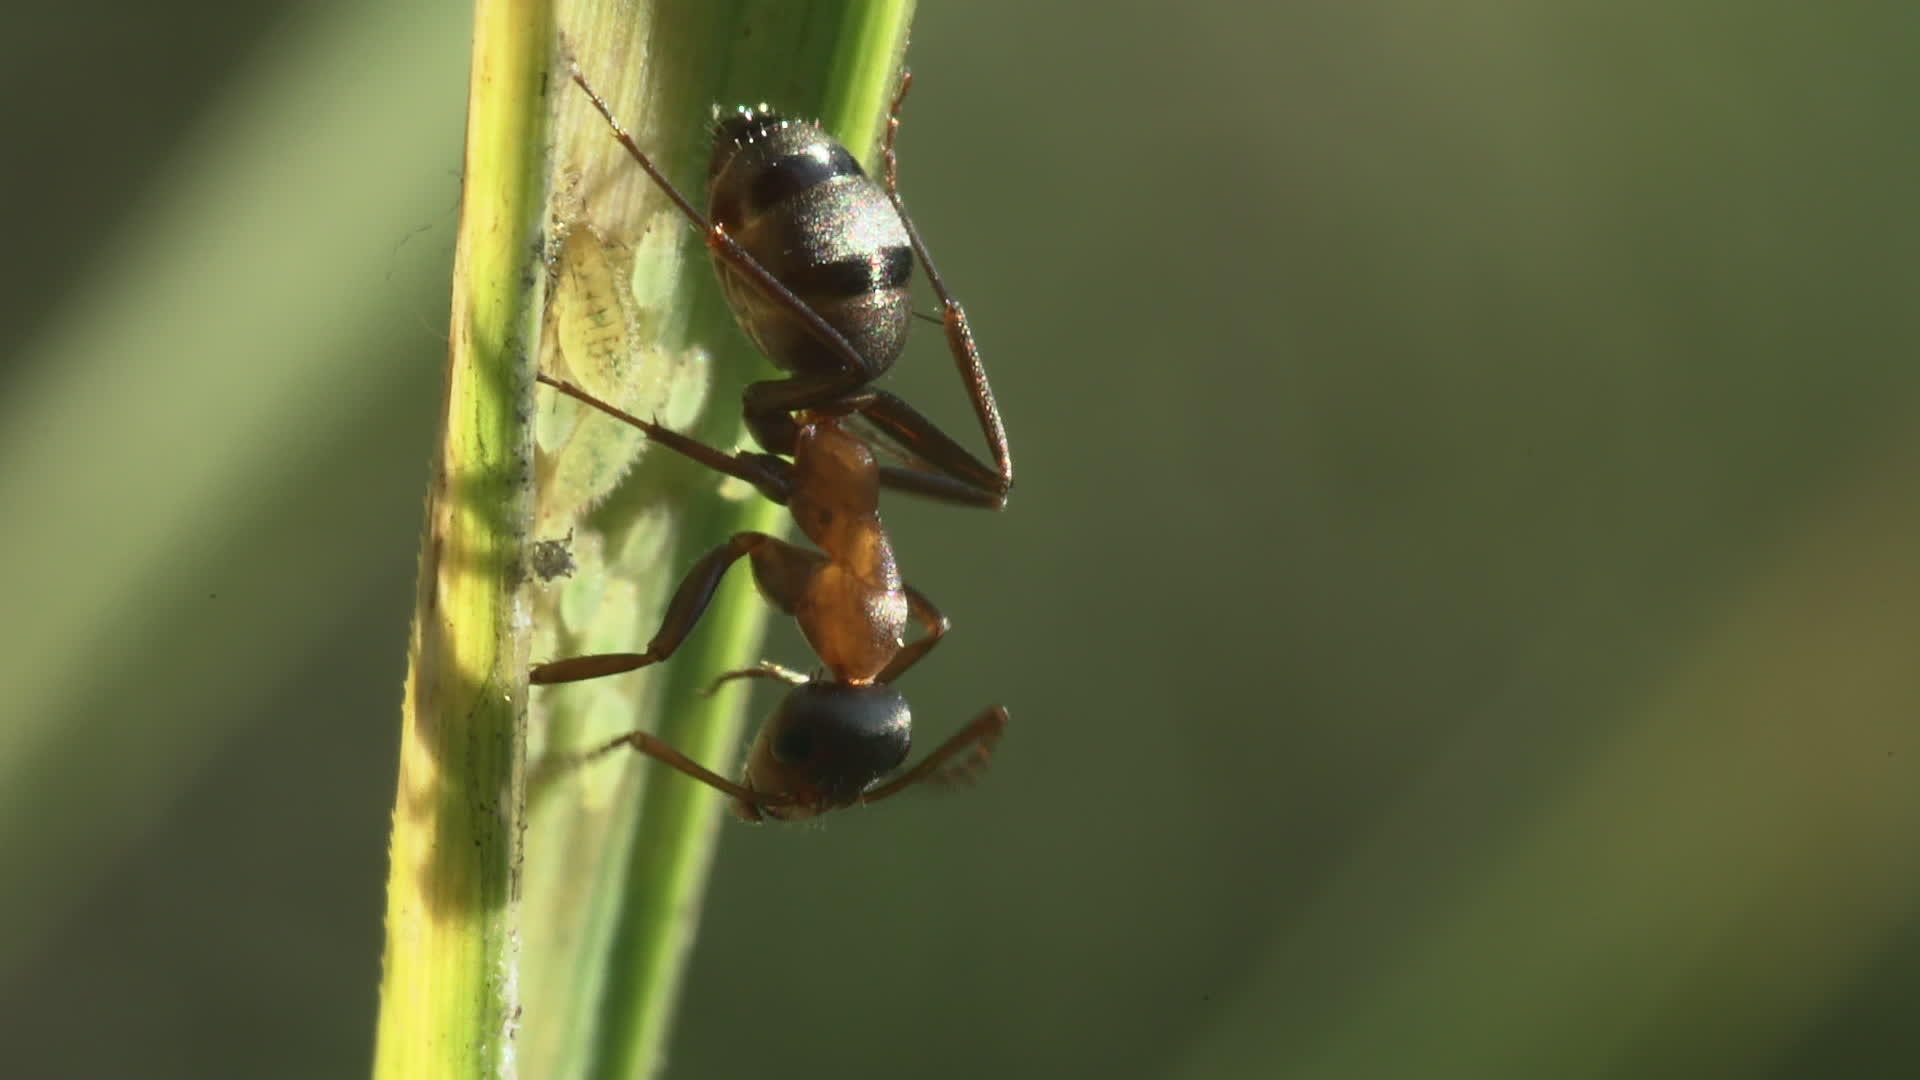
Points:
(815, 260)
(835, 735)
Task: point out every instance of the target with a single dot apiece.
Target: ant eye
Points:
(793, 745)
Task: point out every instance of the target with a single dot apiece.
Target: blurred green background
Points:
(1459, 609)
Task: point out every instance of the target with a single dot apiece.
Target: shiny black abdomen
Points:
(800, 204)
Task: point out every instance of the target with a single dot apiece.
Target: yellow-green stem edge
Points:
(448, 1000)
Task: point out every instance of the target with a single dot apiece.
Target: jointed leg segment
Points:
(938, 768)
(774, 561)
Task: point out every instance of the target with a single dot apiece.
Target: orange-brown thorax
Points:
(853, 610)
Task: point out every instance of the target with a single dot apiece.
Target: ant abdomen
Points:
(815, 258)
(796, 201)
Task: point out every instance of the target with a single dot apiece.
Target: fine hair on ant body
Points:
(815, 260)
(812, 224)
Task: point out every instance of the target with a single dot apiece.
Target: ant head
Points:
(826, 745)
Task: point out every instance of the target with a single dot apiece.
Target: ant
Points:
(815, 260)
(800, 199)
(835, 735)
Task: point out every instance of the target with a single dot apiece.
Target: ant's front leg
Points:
(938, 768)
(765, 669)
(772, 560)
(930, 617)
(746, 800)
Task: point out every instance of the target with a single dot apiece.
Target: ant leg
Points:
(772, 476)
(765, 669)
(771, 558)
(953, 318)
(966, 357)
(660, 751)
(937, 624)
(932, 485)
(891, 162)
(980, 736)
(942, 468)
(769, 405)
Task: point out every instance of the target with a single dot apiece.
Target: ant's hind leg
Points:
(771, 558)
(768, 405)
(890, 161)
(940, 468)
(966, 358)
(772, 476)
(764, 400)
(965, 480)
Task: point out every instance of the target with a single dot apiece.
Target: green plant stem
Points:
(448, 997)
